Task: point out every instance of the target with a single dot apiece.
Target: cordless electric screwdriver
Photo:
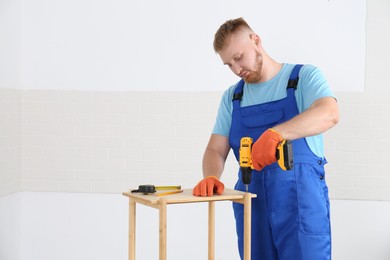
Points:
(284, 155)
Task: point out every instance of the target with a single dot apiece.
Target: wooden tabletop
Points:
(184, 197)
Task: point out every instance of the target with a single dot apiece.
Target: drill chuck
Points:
(246, 175)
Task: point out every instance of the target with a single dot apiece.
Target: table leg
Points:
(163, 229)
(132, 216)
(211, 230)
(247, 226)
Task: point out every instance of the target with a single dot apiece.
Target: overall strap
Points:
(291, 88)
(294, 77)
(238, 93)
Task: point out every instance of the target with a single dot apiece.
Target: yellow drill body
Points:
(246, 160)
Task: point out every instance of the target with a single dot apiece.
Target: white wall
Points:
(10, 44)
(167, 45)
(360, 229)
(73, 226)
(10, 226)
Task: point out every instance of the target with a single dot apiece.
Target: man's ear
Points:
(256, 39)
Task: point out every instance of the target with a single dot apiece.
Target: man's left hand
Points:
(264, 149)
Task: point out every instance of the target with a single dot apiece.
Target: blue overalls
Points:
(290, 216)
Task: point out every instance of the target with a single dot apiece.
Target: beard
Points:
(254, 76)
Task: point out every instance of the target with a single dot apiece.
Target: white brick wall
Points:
(357, 149)
(108, 142)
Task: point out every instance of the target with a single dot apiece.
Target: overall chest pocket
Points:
(251, 118)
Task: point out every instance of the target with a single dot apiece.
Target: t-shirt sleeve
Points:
(313, 86)
(224, 116)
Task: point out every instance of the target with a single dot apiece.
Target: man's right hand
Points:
(208, 187)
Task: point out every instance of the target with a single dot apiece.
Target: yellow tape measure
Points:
(148, 188)
(174, 187)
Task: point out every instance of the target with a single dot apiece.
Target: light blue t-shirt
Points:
(312, 85)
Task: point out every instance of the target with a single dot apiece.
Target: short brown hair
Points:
(226, 29)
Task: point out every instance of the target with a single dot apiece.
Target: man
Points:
(290, 216)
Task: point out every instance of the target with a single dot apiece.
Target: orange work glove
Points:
(264, 149)
(208, 186)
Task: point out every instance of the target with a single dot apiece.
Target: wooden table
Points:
(161, 202)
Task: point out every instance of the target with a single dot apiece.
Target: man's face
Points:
(243, 57)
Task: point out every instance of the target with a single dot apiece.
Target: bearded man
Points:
(273, 102)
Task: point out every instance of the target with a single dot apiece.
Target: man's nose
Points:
(237, 69)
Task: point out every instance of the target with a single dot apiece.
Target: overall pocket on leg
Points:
(313, 201)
